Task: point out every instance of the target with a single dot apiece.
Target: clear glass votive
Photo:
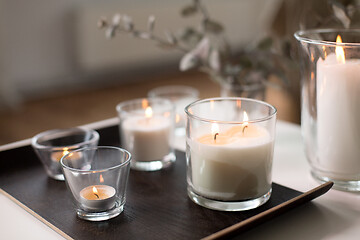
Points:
(147, 130)
(99, 192)
(330, 113)
(180, 96)
(229, 152)
(52, 145)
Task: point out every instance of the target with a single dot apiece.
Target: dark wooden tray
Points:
(157, 204)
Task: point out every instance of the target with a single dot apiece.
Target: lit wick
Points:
(95, 192)
(215, 136)
(243, 130)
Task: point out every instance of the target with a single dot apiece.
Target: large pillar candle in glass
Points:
(229, 153)
(330, 104)
(146, 130)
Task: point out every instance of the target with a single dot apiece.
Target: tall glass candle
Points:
(330, 104)
(146, 130)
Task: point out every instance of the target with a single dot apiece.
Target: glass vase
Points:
(254, 90)
(330, 104)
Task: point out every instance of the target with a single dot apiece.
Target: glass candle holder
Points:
(330, 98)
(147, 130)
(99, 192)
(52, 145)
(229, 152)
(180, 96)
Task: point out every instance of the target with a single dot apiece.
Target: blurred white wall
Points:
(50, 44)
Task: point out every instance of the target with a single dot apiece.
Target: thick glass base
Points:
(100, 216)
(350, 186)
(153, 165)
(228, 206)
(59, 177)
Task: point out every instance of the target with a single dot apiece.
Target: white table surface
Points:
(335, 215)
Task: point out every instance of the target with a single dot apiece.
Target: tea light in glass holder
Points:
(146, 130)
(98, 197)
(99, 192)
(52, 145)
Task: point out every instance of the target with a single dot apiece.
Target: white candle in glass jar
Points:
(338, 116)
(234, 166)
(148, 137)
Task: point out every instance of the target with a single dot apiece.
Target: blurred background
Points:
(57, 69)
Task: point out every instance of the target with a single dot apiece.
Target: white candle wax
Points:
(147, 139)
(236, 167)
(338, 117)
(101, 198)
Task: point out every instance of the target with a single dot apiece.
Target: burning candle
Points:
(338, 95)
(148, 136)
(232, 164)
(98, 197)
(56, 156)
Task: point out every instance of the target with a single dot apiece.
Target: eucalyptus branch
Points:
(128, 27)
(202, 9)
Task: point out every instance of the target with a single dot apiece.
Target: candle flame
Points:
(66, 151)
(340, 54)
(245, 118)
(214, 129)
(245, 121)
(148, 112)
(95, 191)
(101, 178)
(144, 103)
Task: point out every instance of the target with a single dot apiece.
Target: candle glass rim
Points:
(271, 115)
(301, 36)
(34, 141)
(120, 165)
(153, 100)
(167, 90)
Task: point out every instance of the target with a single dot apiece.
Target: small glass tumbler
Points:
(180, 96)
(147, 130)
(229, 152)
(330, 116)
(99, 192)
(52, 145)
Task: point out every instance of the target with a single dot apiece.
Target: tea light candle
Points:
(338, 95)
(98, 197)
(56, 156)
(148, 136)
(233, 164)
